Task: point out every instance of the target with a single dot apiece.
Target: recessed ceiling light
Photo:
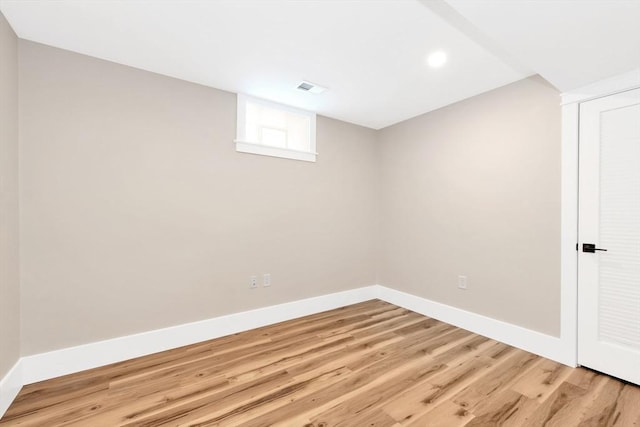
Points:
(310, 87)
(437, 59)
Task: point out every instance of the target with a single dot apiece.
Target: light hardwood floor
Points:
(369, 364)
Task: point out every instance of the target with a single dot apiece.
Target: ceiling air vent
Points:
(311, 87)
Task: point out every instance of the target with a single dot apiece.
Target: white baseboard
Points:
(43, 366)
(526, 339)
(10, 385)
(74, 359)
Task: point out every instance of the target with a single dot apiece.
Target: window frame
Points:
(245, 146)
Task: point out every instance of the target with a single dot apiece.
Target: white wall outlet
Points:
(266, 279)
(253, 282)
(462, 282)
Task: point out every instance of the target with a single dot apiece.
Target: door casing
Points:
(569, 203)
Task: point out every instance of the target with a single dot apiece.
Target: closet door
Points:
(609, 236)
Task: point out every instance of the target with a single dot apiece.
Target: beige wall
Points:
(9, 223)
(474, 189)
(137, 213)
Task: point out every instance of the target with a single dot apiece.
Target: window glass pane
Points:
(275, 130)
(270, 117)
(298, 128)
(273, 137)
(251, 125)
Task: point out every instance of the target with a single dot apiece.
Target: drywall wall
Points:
(9, 207)
(137, 212)
(473, 189)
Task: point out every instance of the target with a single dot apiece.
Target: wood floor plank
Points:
(626, 412)
(369, 418)
(447, 414)
(368, 364)
(602, 410)
(565, 406)
(495, 380)
(420, 400)
(358, 382)
(416, 401)
(505, 408)
(542, 380)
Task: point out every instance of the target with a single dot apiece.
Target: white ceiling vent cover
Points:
(310, 87)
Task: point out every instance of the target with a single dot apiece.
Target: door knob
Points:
(591, 248)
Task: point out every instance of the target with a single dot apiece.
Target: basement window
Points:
(275, 130)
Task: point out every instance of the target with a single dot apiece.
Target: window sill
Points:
(285, 153)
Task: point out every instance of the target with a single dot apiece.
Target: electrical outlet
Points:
(462, 282)
(266, 279)
(253, 282)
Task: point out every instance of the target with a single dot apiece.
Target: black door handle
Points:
(591, 248)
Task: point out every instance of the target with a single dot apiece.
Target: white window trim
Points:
(287, 153)
(244, 146)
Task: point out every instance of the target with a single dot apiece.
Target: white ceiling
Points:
(570, 43)
(370, 54)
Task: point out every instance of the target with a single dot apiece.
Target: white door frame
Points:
(569, 202)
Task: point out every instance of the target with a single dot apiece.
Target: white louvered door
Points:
(609, 218)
